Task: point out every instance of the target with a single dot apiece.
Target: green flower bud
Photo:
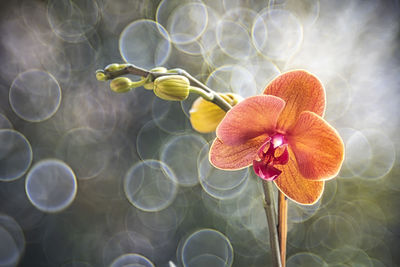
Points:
(121, 85)
(115, 67)
(159, 69)
(100, 76)
(172, 87)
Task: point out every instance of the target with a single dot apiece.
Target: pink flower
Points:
(283, 135)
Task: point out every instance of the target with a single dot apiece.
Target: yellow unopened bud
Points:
(172, 87)
(115, 67)
(205, 116)
(100, 76)
(121, 85)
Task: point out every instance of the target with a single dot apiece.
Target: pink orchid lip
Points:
(264, 166)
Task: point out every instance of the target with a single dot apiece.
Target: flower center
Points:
(272, 152)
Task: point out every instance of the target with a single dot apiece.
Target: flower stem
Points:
(207, 96)
(282, 225)
(273, 231)
(152, 75)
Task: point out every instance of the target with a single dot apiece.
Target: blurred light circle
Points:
(299, 213)
(358, 153)
(233, 33)
(145, 43)
(296, 235)
(184, 20)
(383, 154)
(131, 260)
(233, 78)
(208, 39)
(35, 95)
(187, 22)
(206, 260)
(123, 243)
(330, 191)
(263, 70)
(306, 259)
(51, 185)
(15, 155)
(150, 185)
(72, 20)
(180, 154)
(12, 241)
(346, 134)
(85, 151)
(192, 48)
(4, 122)
(349, 256)
(9, 254)
(305, 10)
(169, 117)
(338, 97)
(149, 141)
(207, 242)
(234, 39)
(161, 221)
(218, 183)
(333, 231)
(277, 34)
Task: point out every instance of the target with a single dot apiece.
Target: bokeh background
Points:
(89, 177)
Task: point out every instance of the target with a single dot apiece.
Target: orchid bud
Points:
(172, 87)
(205, 116)
(115, 67)
(100, 76)
(121, 85)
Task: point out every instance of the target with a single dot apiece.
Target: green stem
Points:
(152, 75)
(207, 96)
(272, 226)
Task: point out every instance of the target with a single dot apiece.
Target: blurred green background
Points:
(89, 177)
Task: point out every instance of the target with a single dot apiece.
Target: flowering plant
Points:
(281, 134)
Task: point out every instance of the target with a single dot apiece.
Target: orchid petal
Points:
(250, 118)
(293, 185)
(317, 146)
(228, 157)
(301, 91)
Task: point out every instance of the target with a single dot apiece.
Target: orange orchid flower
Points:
(283, 135)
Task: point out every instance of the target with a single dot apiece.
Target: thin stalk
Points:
(152, 75)
(273, 231)
(282, 226)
